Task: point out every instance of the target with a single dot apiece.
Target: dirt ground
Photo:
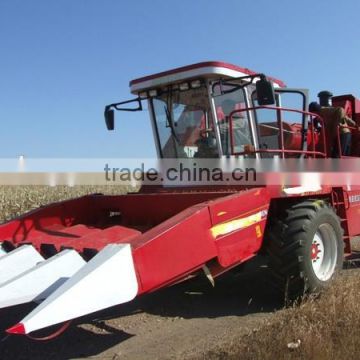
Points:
(183, 321)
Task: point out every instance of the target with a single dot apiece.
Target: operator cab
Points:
(191, 108)
(213, 109)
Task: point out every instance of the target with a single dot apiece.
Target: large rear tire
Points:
(306, 249)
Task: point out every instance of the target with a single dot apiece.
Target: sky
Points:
(62, 61)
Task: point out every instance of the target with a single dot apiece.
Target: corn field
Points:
(16, 200)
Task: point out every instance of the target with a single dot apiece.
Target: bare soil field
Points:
(240, 318)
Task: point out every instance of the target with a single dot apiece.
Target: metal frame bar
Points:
(281, 151)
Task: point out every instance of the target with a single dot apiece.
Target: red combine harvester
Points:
(91, 253)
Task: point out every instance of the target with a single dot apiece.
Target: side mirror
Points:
(265, 91)
(109, 118)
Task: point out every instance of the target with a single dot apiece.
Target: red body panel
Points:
(242, 243)
(352, 205)
(171, 234)
(241, 203)
(175, 248)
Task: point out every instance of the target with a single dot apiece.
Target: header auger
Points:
(87, 254)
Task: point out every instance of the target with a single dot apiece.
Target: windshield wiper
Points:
(171, 124)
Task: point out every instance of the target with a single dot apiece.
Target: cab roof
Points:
(207, 70)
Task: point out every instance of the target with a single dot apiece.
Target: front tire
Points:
(306, 249)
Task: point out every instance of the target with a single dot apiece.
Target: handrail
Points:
(282, 149)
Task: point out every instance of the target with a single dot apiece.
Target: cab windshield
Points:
(184, 123)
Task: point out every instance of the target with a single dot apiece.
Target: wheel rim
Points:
(324, 252)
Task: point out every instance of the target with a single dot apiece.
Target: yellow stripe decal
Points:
(237, 224)
(221, 213)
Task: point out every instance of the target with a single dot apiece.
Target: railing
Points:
(282, 149)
